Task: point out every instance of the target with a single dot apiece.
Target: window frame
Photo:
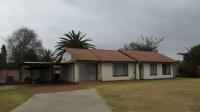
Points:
(153, 68)
(125, 68)
(167, 68)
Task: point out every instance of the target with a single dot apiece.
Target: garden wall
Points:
(9, 76)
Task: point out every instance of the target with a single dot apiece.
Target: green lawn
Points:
(179, 95)
(12, 98)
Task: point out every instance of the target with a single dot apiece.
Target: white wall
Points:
(76, 72)
(99, 71)
(137, 72)
(159, 72)
(107, 72)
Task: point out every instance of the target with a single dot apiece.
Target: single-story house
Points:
(110, 65)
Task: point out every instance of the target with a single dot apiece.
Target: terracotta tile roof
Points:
(147, 56)
(113, 55)
(110, 55)
(96, 55)
(81, 54)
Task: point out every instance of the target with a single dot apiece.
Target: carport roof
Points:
(97, 55)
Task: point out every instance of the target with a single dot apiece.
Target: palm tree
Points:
(73, 40)
(47, 55)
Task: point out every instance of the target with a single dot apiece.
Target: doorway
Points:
(141, 71)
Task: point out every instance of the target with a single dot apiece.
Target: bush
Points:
(188, 70)
(191, 62)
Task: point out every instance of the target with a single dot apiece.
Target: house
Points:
(110, 65)
(96, 64)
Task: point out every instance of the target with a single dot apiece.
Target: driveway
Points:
(86, 100)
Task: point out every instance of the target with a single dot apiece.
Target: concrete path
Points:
(86, 100)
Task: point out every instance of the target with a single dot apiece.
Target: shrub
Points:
(188, 70)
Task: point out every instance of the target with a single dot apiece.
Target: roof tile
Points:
(147, 56)
(97, 55)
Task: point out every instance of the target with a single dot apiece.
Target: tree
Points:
(46, 55)
(31, 55)
(3, 55)
(22, 43)
(73, 40)
(191, 62)
(145, 44)
(192, 56)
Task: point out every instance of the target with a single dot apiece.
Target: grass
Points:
(179, 95)
(9, 99)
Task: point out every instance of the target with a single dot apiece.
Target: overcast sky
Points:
(110, 23)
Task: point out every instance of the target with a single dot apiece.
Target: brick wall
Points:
(9, 73)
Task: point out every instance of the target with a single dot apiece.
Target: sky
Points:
(109, 23)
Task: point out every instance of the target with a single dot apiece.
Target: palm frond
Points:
(73, 40)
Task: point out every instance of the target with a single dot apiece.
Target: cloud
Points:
(109, 23)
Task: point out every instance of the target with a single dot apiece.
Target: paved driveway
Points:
(86, 100)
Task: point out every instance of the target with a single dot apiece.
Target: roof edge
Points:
(134, 59)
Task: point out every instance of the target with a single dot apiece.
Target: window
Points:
(153, 69)
(166, 69)
(120, 69)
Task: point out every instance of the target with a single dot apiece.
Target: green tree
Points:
(46, 55)
(3, 55)
(31, 55)
(22, 43)
(191, 62)
(145, 44)
(73, 40)
(193, 55)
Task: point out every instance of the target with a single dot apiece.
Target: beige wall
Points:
(159, 72)
(107, 72)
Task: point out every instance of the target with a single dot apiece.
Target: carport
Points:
(40, 72)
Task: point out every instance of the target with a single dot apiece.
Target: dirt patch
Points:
(50, 88)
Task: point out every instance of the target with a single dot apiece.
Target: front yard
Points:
(179, 95)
